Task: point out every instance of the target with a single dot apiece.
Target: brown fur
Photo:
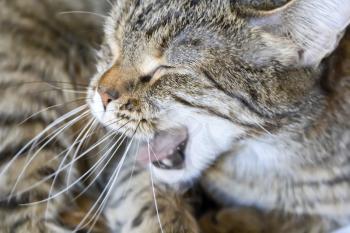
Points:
(237, 70)
(222, 61)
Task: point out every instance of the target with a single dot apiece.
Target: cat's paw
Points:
(232, 221)
(79, 217)
(173, 216)
(168, 223)
(144, 211)
(249, 220)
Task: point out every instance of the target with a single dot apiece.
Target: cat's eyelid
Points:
(150, 63)
(160, 68)
(154, 74)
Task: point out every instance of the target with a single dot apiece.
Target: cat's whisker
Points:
(110, 3)
(104, 202)
(61, 90)
(82, 12)
(54, 124)
(79, 157)
(49, 108)
(51, 81)
(133, 169)
(99, 209)
(68, 86)
(88, 129)
(106, 154)
(263, 128)
(120, 140)
(108, 188)
(36, 138)
(53, 174)
(158, 160)
(153, 189)
(28, 162)
(54, 133)
(90, 123)
(105, 138)
(67, 188)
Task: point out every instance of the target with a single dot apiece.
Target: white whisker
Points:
(263, 128)
(51, 175)
(104, 202)
(133, 169)
(153, 189)
(108, 189)
(65, 167)
(72, 122)
(62, 162)
(87, 129)
(106, 137)
(105, 165)
(48, 128)
(48, 108)
(82, 12)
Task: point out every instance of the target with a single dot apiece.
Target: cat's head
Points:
(192, 78)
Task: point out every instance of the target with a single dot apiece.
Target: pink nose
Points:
(107, 95)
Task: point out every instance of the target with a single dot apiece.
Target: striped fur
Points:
(267, 125)
(45, 56)
(46, 59)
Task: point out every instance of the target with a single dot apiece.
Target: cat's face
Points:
(190, 79)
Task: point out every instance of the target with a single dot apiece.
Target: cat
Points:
(46, 55)
(234, 97)
(213, 92)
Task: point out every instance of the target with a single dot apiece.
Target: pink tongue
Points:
(162, 146)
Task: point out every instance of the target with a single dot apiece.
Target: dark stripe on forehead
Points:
(205, 108)
(236, 97)
(161, 23)
(163, 18)
(213, 112)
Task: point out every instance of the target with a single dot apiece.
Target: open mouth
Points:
(166, 150)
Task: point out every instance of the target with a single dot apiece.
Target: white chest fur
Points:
(261, 157)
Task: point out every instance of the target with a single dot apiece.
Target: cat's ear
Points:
(309, 29)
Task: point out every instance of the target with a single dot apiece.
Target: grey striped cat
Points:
(238, 97)
(45, 57)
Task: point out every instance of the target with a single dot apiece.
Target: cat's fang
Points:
(174, 161)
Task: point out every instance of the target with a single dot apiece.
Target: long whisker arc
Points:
(108, 187)
(153, 188)
(76, 119)
(48, 128)
(82, 12)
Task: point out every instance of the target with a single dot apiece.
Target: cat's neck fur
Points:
(287, 168)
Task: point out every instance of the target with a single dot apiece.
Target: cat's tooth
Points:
(162, 165)
(167, 162)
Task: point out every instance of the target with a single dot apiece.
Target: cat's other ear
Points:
(307, 30)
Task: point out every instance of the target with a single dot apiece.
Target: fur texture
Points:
(248, 86)
(45, 55)
(265, 110)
